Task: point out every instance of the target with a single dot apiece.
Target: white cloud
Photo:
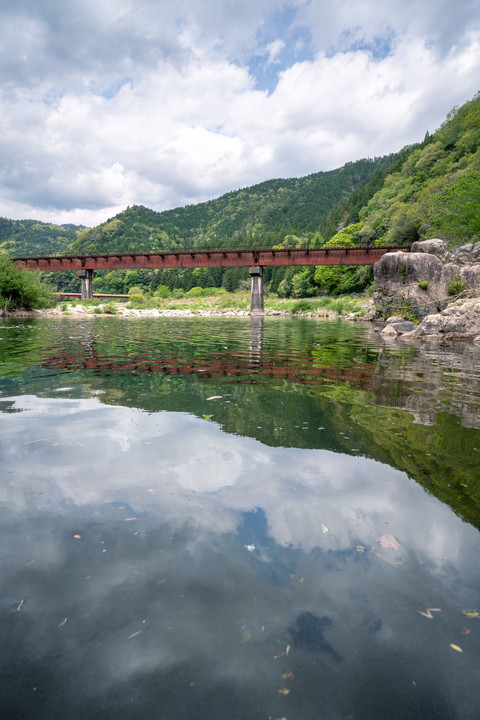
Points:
(113, 104)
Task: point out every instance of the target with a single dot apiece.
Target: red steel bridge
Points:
(254, 259)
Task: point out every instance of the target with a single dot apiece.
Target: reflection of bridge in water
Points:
(245, 367)
(254, 259)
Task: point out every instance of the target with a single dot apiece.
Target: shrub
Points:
(195, 292)
(110, 309)
(456, 286)
(301, 306)
(162, 291)
(21, 288)
(423, 284)
(135, 291)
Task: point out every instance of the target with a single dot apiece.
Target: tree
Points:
(21, 289)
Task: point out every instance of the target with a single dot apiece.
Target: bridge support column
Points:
(86, 276)
(256, 298)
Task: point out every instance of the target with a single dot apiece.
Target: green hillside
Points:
(433, 192)
(31, 237)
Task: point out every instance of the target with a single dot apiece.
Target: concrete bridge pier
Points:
(256, 298)
(86, 276)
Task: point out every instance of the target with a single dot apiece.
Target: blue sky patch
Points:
(378, 47)
(280, 44)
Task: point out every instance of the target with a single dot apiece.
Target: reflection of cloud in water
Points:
(169, 607)
(183, 468)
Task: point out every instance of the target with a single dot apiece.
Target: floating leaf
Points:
(388, 541)
(287, 675)
(428, 612)
(390, 562)
(250, 548)
(455, 647)
(246, 636)
(207, 417)
(77, 537)
(284, 691)
(324, 529)
(471, 613)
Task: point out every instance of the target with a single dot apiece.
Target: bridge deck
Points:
(208, 258)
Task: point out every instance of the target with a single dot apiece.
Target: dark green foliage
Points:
(31, 237)
(21, 289)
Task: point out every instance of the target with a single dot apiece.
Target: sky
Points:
(165, 103)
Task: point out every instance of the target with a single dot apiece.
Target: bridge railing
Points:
(203, 251)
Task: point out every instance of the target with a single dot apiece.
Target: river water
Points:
(237, 518)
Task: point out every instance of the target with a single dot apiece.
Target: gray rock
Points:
(433, 247)
(419, 282)
(396, 281)
(403, 327)
(467, 253)
(389, 331)
(459, 321)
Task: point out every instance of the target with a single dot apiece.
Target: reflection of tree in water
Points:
(309, 635)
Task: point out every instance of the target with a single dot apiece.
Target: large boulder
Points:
(435, 246)
(412, 282)
(421, 282)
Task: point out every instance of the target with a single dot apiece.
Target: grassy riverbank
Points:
(227, 303)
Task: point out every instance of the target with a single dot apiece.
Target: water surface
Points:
(236, 518)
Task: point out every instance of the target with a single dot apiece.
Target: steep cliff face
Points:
(431, 284)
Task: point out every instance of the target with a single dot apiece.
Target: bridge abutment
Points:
(86, 276)
(256, 298)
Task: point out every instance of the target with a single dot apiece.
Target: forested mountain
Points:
(31, 237)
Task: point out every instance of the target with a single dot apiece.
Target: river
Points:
(232, 518)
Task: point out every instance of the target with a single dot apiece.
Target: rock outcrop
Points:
(431, 284)
(421, 282)
(459, 321)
